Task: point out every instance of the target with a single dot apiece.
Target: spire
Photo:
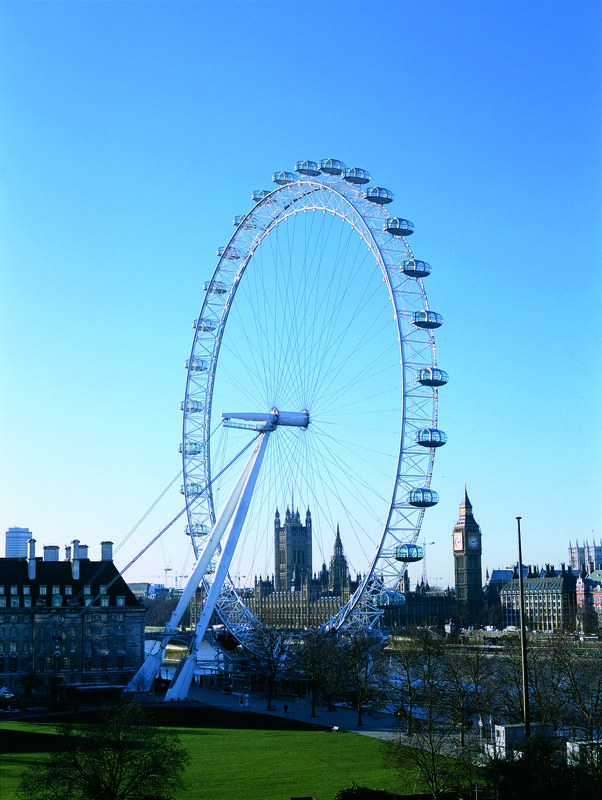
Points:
(465, 509)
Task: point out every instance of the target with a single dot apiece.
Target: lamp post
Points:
(523, 637)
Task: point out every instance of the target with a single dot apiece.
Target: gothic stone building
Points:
(67, 622)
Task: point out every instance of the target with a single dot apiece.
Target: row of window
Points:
(60, 664)
(54, 589)
(57, 601)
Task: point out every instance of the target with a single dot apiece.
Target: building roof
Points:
(95, 574)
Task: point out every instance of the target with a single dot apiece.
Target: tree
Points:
(405, 659)
(121, 757)
(268, 648)
(318, 661)
(364, 674)
(580, 668)
(431, 747)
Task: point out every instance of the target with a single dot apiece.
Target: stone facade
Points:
(67, 622)
(550, 599)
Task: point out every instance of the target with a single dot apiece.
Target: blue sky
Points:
(135, 131)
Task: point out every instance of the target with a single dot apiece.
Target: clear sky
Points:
(135, 131)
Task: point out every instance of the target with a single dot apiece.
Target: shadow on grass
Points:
(197, 716)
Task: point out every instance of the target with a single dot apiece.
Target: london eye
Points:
(314, 327)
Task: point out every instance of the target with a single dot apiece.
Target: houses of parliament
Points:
(294, 597)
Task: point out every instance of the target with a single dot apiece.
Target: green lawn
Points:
(250, 764)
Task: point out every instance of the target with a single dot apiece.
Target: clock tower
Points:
(467, 557)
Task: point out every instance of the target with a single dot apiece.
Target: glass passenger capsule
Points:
(409, 553)
(196, 364)
(414, 268)
(390, 599)
(238, 219)
(192, 488)
(376, 194)
(432, 376)
(203, 324)
(259, 194)
(330, 166)
(307, 168)
(399, 227)
(283, 177)
(215, 287)
(197, 529)
(190, 448)
(192, 407)
(228, 252)
(427, 319)
(356, 175)
(423, 498)
(431, 437)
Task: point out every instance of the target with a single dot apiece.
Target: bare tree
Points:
(123, 757)
(318, 660)
(268, 648)
(364, 671)
(405, 664)
(431, 748)
(580, 668)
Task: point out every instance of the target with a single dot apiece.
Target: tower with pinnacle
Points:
(338, 579)
(292, 549)
(467, 557)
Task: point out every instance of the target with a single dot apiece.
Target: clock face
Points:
(458, 542)
(473, 542)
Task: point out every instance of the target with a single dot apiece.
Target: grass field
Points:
(229, 762)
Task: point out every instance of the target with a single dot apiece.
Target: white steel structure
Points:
(316, 305)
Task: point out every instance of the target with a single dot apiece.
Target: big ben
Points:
(467, 557)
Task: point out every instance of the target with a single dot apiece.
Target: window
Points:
(26, 590)
(2, 602)
(13, 647)
(120, 601)
(68, 590)
(87, 590)
(42, 590)
(57, 601)
(119, 662)
(104, 663)
(56, 590)
(1, 589)
(13, 589)
(27, 602)
(103, 590)
(87, 664)
(104, 602)
(14, 602)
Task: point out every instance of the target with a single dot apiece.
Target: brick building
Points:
(67, 622)
(589, 600)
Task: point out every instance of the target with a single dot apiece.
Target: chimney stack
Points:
(106, 551)
(75, 560)
(31, 560)
(51, 552)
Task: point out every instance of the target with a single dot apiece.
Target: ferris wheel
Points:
(316, 307)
